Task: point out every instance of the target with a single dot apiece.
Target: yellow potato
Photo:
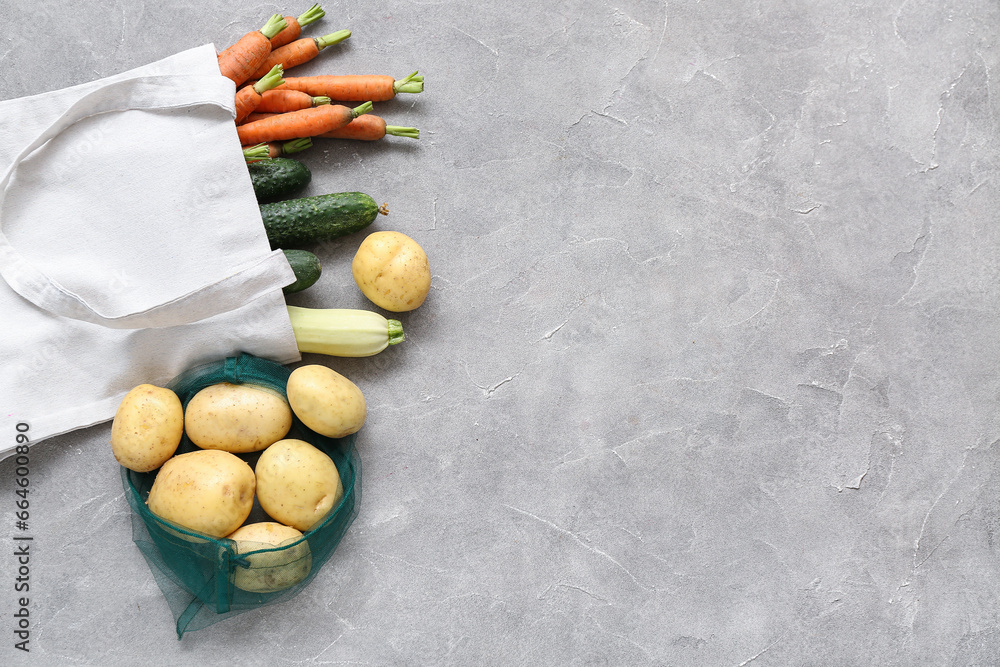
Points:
(326, 401)
(147, 428)
(297, 484)
(270, 571)
(237, 418)
(207, 491)
(392, 270)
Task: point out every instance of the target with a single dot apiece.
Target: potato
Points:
(326, 401)
(237, 418)
(147, 428)
(272, 570)
(392, 270)
(207, 491)
(297, 484)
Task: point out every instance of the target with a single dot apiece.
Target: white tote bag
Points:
(131, 244)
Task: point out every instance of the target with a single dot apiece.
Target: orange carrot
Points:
(294, 28)
(256, 153)
(297, 124)
(280, 101)
(257, 115)
(244, 57)
(300, 51)
(279, 148)
(275, 149)
(248, 98)
(370, 128)
(355, 87)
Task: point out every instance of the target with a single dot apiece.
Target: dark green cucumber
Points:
(278, 177)
(306, 267)
(295, 223)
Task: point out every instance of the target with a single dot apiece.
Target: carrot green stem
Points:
(258, 152)
(270, 80)
(331, 39)
(361, 110)
(411, 84)
(322, 99)
(274, 25)
(296, 145)
(311, 15)
(396, 131)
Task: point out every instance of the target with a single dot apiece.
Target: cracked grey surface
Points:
(708, 371)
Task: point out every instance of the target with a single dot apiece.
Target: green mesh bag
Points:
(198, 574)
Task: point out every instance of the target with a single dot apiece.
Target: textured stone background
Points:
(708, 371)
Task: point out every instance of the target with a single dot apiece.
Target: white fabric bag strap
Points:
(154, 92)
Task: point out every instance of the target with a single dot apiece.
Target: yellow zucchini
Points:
(343, 332)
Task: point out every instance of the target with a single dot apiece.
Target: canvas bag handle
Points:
(153, 92)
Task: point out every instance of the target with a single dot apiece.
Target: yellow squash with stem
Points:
(343, 332)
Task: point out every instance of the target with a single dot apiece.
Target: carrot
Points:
(300, 51)
(297, 124)
(355, 87)
(255, 153)
(281, 101)
(371, 128)
(244, 57)
(257, 115)
(279, 148)
(249, 97)
(294, 28)
(275, 149)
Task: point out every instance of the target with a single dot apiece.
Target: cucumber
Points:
(278, 177)
(306, 267)
(294, 223)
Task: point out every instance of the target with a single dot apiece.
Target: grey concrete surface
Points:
(708, 373)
